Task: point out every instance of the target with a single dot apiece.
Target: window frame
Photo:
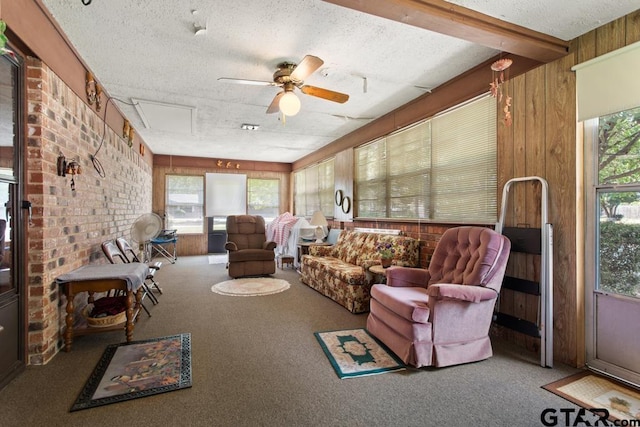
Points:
(275, 208)
(314, 188)
(425, 196)
(167, 207)
(594, 190)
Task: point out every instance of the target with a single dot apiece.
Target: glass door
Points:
(12, 331)
(613, 244)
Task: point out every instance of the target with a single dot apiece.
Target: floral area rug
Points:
(607, 398)
(356, 353)
(250, 287)
(138, 369)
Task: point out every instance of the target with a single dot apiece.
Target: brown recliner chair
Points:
(249, 252)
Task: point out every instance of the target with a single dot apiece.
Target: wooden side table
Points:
(285, 260)
(380, 273)
(102, 278)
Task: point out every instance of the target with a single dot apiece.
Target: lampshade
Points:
(320, 221)
(289, 104)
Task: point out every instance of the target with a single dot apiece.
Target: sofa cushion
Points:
(410, 303)
(349, 246)
(361, 249)
(341, 272)
(337, 268)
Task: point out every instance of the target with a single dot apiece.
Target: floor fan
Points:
(144, 229)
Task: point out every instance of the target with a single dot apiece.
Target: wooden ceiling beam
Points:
(466, 24)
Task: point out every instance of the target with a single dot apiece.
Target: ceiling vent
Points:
(162, 116)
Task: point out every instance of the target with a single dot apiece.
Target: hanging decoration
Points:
(498, 88)
(69, 167)
(3, 41)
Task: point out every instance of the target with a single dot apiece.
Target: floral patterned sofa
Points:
(341, 272)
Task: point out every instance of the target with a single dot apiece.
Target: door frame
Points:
(18, 224)
(592, 215)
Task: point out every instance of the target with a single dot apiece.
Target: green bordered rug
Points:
(356, 353)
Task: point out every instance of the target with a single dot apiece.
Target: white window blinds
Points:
(371, 176)
(442, 169)
(226, 194)
(314, 189)
(464, 162)
(409, 152)
(609, 83)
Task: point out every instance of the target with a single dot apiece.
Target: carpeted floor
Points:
(256, 362)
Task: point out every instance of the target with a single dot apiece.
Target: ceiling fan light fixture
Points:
(289, 104)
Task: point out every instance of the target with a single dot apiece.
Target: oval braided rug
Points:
(251, 286)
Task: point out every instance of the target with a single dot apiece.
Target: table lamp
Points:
(319, 221)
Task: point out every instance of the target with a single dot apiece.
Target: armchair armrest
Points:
(230, 246)
(407, 277)
(467, 293)
(269, 246)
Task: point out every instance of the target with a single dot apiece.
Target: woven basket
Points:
(103, 322)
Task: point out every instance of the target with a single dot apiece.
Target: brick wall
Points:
(68, 226)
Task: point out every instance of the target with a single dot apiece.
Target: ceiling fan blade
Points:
(325, 94)
(246, 82)
(306, 67)
(274, 107)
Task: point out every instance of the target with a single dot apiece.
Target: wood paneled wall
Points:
(196, 244)
(544, 141)
(343, 173)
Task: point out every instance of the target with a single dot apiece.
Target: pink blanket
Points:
(279, 229)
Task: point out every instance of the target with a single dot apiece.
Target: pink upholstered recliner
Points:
(441, 316)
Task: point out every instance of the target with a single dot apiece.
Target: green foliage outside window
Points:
(620, 258)
(619, 157)
(619, 195)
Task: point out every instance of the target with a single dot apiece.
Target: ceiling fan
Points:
(288, 76)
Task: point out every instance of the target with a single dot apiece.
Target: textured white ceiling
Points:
(149, 50)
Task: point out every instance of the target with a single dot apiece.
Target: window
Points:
(314, 187)
(184, 203)
(392, 174)
(263, 198)
(464, 163)
(618, 202)
(442, 169)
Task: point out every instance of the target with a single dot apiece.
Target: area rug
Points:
(356, 353)
(218, 259)
(251, 287)
(138, 369)
(595, 392)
